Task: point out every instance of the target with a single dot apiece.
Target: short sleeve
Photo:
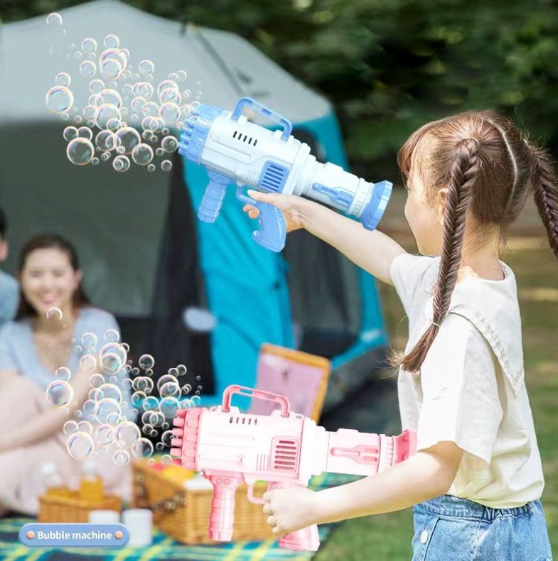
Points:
(460, 391)
(8, 358)
(409, 274)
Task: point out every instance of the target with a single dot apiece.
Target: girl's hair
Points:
(488, 168)
(49, 241)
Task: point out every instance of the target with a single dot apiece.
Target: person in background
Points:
(8, 285)
(53, 316)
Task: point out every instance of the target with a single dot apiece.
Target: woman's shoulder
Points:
(90, 315)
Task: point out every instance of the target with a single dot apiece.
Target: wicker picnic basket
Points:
(73, 509)
(183, 513)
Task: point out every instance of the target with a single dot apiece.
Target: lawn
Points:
(387, 537)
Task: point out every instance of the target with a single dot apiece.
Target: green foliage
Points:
(391, 65)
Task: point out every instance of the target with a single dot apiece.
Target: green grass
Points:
(388, 537)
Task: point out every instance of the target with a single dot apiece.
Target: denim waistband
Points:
(448, 505)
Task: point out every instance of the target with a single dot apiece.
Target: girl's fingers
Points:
(253, 213)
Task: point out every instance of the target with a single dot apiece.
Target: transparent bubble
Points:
(146, 67)
(121, 163)
(88, 363)
(121, 457)
(78, 54)
(128, 138)
(63, 374)
(149, 372)
(142, 154)
(114, 124)
(196, 400)
(146, 361)
(150, 109)
(198, 84)
(104, 435)
(137, 398)
(105, 156)
(166, 438)
(63, 79)
(96, 86)
(170, 389)
(105, 113)
(111, 97)
(151, 167)
(89, 340)
(143, 448)
(181, 370)
(181, 75)
(169, 112)
(110, 69)
(127, 434)
(138, 103)
(106, 410)
(87, 68)
(89, 45)
(85, 426)
(160, 446)
(109, 391)
(170, 95)
(85, 132)
(111, 42)
(186, 389)
(70, 133)
(105, 141)
(54, 20)
(89, 409)
(78, 120)
(80, 151)
(59, 99)
(166, 165)
(150, 404)
(89, 112)
(70, 427)
(186, 95)
(110, 363)
(112, 336)
(159, 151)
(156, 419)
(80, 445)
(96, 381)
(64, 116)
(169, 406)
(156, 124)
(166, 84)
(166, 459)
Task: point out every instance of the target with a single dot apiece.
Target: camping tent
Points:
(145, 255)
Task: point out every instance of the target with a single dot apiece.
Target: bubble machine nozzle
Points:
(234, 150)
(284, 448)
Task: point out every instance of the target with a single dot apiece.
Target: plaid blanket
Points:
(163, 548)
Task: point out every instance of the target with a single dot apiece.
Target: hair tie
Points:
(436, 324)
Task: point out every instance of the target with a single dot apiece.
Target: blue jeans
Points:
(452, 529)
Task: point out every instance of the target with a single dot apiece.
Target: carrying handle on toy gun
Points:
(247, 101)
(273, 228)
(251, 392)
(306, 539)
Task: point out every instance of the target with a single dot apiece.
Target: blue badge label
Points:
(74, 535)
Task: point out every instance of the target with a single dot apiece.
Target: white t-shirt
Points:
(471, 388)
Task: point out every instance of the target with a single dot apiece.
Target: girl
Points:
(32, 348)
(476, 480)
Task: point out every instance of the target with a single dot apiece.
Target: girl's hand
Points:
(290, 509)
(291, 205)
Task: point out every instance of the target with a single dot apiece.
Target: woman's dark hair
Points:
(488, 168)
(49, 241)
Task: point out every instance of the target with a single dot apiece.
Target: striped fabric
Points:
(163, 548)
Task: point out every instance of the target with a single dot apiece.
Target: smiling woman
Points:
(55, 328)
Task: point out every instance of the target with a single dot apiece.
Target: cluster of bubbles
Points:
(127, 119)
(120, 392)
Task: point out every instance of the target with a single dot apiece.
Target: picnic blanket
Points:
(163, 548)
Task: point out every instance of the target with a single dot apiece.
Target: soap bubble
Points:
(63, 374)
(80, 445)
(143, 384)
(166, 84)
(128, 138)
(70, 427)
(156, 124)
(87, 68)
(143, 448)
(80, 151)
(181, 75)
(104, 113)
(121, 457)
(104, 435)
(70, 133)
(89, 45)
(85, 132)
(96, 381)
(166, 459)
(105, 156)
(111, 97)
(151, 167)
(110, 363)
(114, 123)
(150, 109)
(173, 76)
(127, 434)
(107, 410)
(78, 54)
(110, 69)
(150, 404)
(88, 363)
(146, 67)
(77, 120)
(181, 369)
(96, 86)
(156, 419)
(169, 144)
(109, 391)
(142, 154)
(89, 113)
(63, 79)
(121, 163)
(196, 400)
(169, 112)
(54, 20)
(169, 406)
(138, 103)
(111, 41)
(59, 99)
(146, 361)
(59, 393)
(166, 165)
(170, 95)
(105, 141)
(84, 426)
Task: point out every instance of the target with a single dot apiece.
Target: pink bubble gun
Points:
(285, 448)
